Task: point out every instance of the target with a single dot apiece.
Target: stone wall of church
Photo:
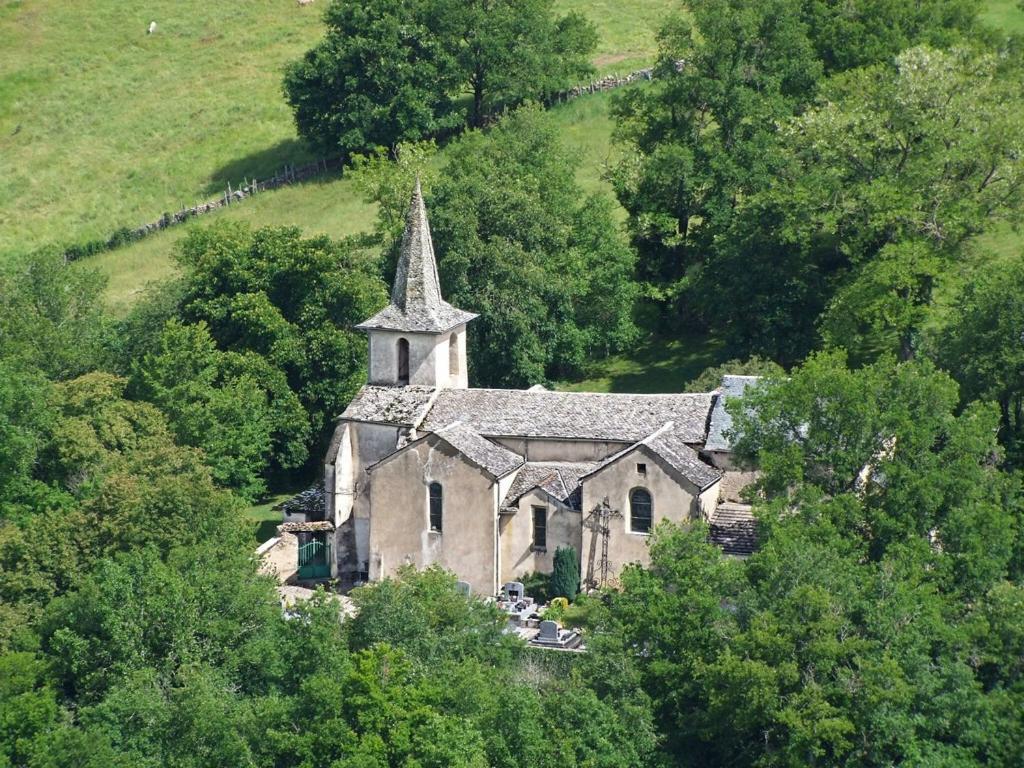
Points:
(427, 364)
(518, 555)
(355, 446)
(433, 360)
(399, 511)
(672, 499)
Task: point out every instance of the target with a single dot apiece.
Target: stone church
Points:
(422, 469)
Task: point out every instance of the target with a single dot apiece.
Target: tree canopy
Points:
(867, 627)
(288, 304)
(767, 191)
(519, 243)
(235, 406)
(390, 72)
(982, 345)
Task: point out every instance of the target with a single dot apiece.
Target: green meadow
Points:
(104, 126)
(1004, 15)
(332, 206)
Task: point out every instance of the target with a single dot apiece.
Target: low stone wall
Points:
(607, 83)
(290, 174)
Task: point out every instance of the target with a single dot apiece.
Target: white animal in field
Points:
(152, 28)
(304, 2)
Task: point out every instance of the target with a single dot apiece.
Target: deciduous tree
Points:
(982, 345)
(290, 300)
(519, 243)
(390, 72)
(234, 406)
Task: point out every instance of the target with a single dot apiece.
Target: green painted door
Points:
(314, 558)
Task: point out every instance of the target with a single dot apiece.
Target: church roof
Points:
(570, 415)
(398, 406)
(673, 450)
(535, 413)
(721, 420)
(560, 480)
(416, 304)
(495, 459)
(310, 502)
(681, 457)
(733, 529)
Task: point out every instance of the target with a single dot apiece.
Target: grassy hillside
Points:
(627, 27)
(332, 206)
(102, 125)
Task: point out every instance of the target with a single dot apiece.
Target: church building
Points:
(488, 483)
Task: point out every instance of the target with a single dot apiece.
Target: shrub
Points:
(565, 579)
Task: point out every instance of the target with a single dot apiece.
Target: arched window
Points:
(453, 355)
(403, 361)
(436, 507)
(641, 511)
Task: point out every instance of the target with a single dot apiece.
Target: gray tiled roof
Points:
(561, 480)
(416, 303)
(400, 406)
(721, 421)
(493, 458)
(666, 443)
(733, 529)
(309, 502)
(308, 527)
(570, 415)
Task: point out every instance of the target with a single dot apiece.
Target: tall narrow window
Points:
(640, 511)
(540, 528)
(403, 361)
(436, 507)
(453, 355)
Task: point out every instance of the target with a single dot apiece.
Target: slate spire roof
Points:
(416, 304)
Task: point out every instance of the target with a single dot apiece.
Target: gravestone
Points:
(515, 590)
(548, 631)
(550, 636)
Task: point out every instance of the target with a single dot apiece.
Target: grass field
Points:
(332, 206)
(628, 29)
(103, 126)
(264, 517)
(656, 365)
(1005, 15)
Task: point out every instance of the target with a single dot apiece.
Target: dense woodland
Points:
(806, 180)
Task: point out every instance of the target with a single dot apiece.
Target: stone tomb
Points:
(553, 636)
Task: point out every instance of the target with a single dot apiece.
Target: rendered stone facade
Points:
(488, 483)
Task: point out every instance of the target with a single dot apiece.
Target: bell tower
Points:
(419, 338)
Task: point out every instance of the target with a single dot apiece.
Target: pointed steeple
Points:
(416, 303)
(416, 280)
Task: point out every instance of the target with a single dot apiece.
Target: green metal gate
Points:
(315, 558)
